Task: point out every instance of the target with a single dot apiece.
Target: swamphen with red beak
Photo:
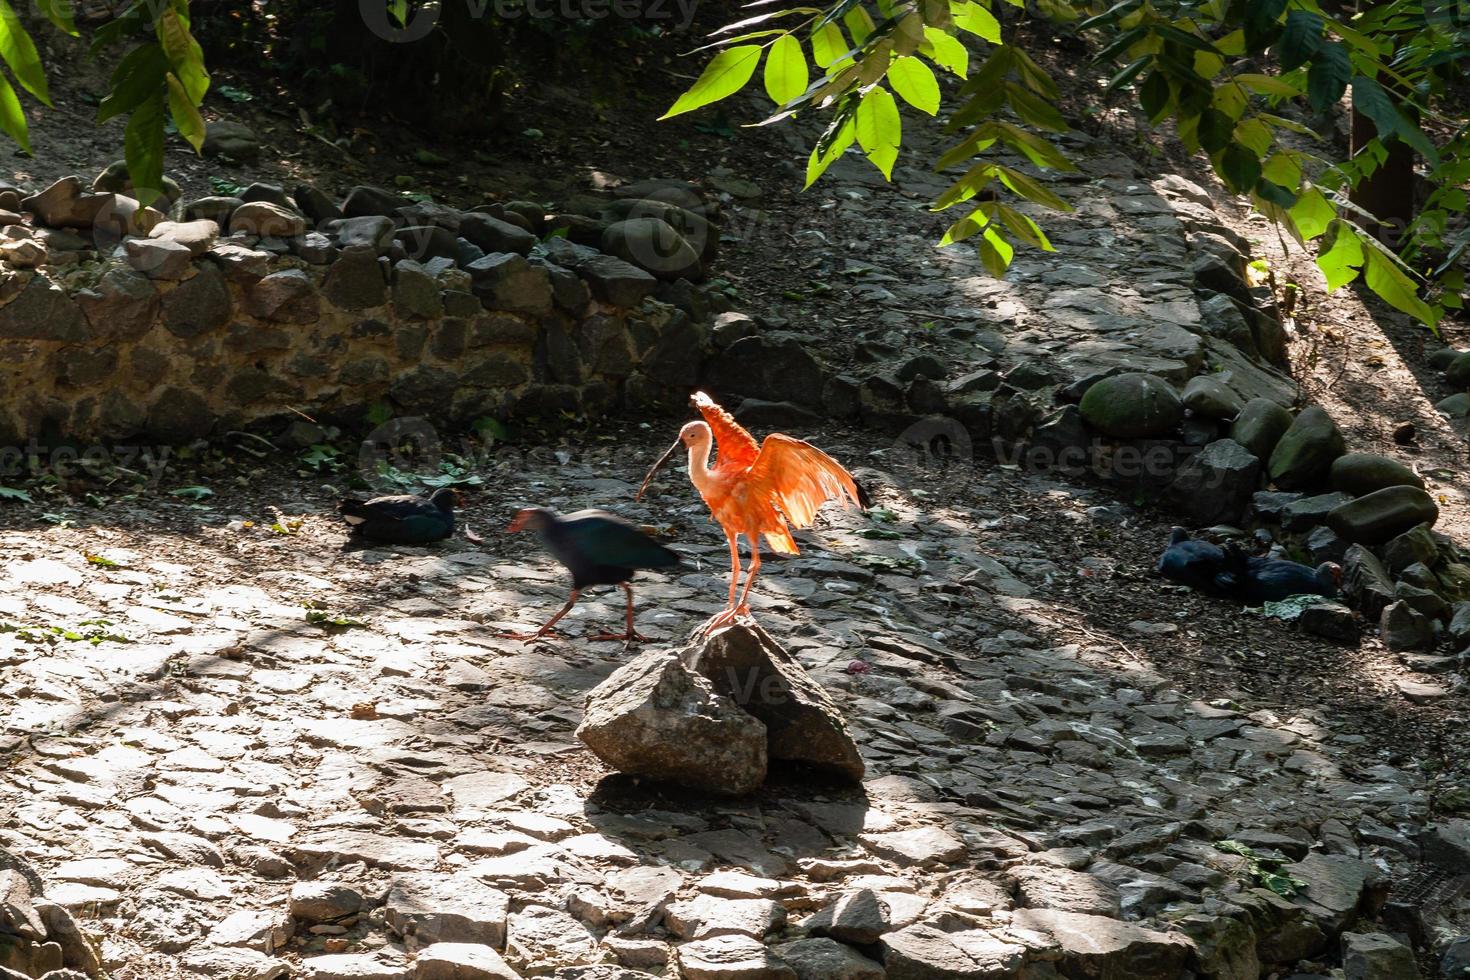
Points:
(1255, 580)
(598, 548)
(403, 518)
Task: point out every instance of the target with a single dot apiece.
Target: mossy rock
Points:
(1362, 473)
(1132, 406)
(1303, 457)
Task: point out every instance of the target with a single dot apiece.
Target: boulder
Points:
(461, 961)
(1306, 451)
(772, 368)
(121, 306)
(1460, 624)
(826, 959)
(1457, 372)
(1383, 514)
(1362, 473)
(198, 305)
(266, 219)
(494, 235)
(355, 281)
(656, 717)
(424, 243)
(1260, 425)
(1208, 396)
(615, 281)
(1098, 946)
(370, 231)
(230, 139)
(744, 663)
(197, 235)
(288, 296)
(365, 201)
(654, 246)
(66, 204)
(506, 281)
(1405, 628)
(217, 209)
(43, 311)
(923, 952)
(1226, 947)
(1308, 512)
(114, 179)
(159, 259)
(1366, 581)
(316, 205)
(1375, 956)
(1216, 484)
(1132, 406)
(1331, 621)
(433, 908)
(1414, 546)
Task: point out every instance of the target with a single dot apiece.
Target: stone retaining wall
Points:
(119, 323)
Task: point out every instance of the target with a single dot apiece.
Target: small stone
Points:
(288, 296)
(1421, 693)
(264, 218)
(1330, 620)
(824, 959)
(922, 847)
(457, 908)
(1375, 956)
(1208, 396)
(323, 901)
(731, 958)
(231, 139)
(163, 260)
(1405, 628)
(461, 961)
(1260, 426)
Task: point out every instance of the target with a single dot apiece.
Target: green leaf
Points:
(947, 52)
(138, 76)
(1268, 85)
(1312, 213)
(143, 149)
(184, 54)
(1373, 101)
(971, 183)
(1328, 77)
(828, 45)
(966, 227)
(1261, 17)
(834, 142)
(1129, 73)
(1024, 228)
(1035, 77)
(1033, 110)
(192, 493)
(879, 130)
(725, 75)
(1283, 169)
(1184, 38)
(915, 83)
(12, 116)
(1342, 257)
(1240, 167)
(185, 114)
(1215, 130)
(1254, 134)
(58, 12)
(1275, 194)
(995, 252)
(19, 52)
(786, 72)
(11, 493)
(1153, 94)
(1031, 189)
(1034, 148)
(1385, 278)
(1300, 39)
(859, 24)
(976, 20)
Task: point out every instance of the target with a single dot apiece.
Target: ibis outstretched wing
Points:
(799, 478)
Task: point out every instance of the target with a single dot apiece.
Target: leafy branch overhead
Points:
(160, 76)
(1197, 64)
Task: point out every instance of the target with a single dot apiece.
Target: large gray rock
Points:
(1375, 956)
(355, 281)
(1336, 888)
(655, 717)
(66, 203)
(231, 139)
(1458, 371)
(653, 245)
(1383, 514)
(1216, 484)
(1132, 406)
(493, 235)
(1097, 946)
(1447, 844)
(731, 958)
(775, 369)
(826, 959)
(1226, 947)
(1260, 425)
(1210, 397)
(1460, 624)
(436, 908)
(122, 305)
(506, 281)
(1306, 451)
(288, 296)
(366, 201)
(1414, 546)
(264, 218)
(1405, 628)
(198, 305)
(43, 311)
(164, 260)
(1362, 473)
(922, 952)
(615, 281)
(801, 722)
(1366, 581)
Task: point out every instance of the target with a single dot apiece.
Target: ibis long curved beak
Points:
(658, 466)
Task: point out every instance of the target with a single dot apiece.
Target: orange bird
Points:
(757, 489)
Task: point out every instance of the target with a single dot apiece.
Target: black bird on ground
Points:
(1254, 579)
(598, 548)
(403, 518)
(1196, 564)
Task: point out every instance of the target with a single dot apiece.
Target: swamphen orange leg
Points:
(632, 635)
(547, 629)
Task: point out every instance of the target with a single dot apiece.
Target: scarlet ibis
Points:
(1192, 563)
(756, 489)
(1256, 580)
(598, 548)
(403, 518)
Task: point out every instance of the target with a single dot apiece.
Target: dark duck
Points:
(403, 518)
(598, 548)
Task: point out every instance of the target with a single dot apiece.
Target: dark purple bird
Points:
(1255, 580)
(1196, 564)
(598, 548)
(403, 518)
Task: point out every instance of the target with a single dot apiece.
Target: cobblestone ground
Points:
(238, 789)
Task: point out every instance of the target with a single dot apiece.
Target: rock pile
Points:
(170, 320)
(714, 715)
(38, 937)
